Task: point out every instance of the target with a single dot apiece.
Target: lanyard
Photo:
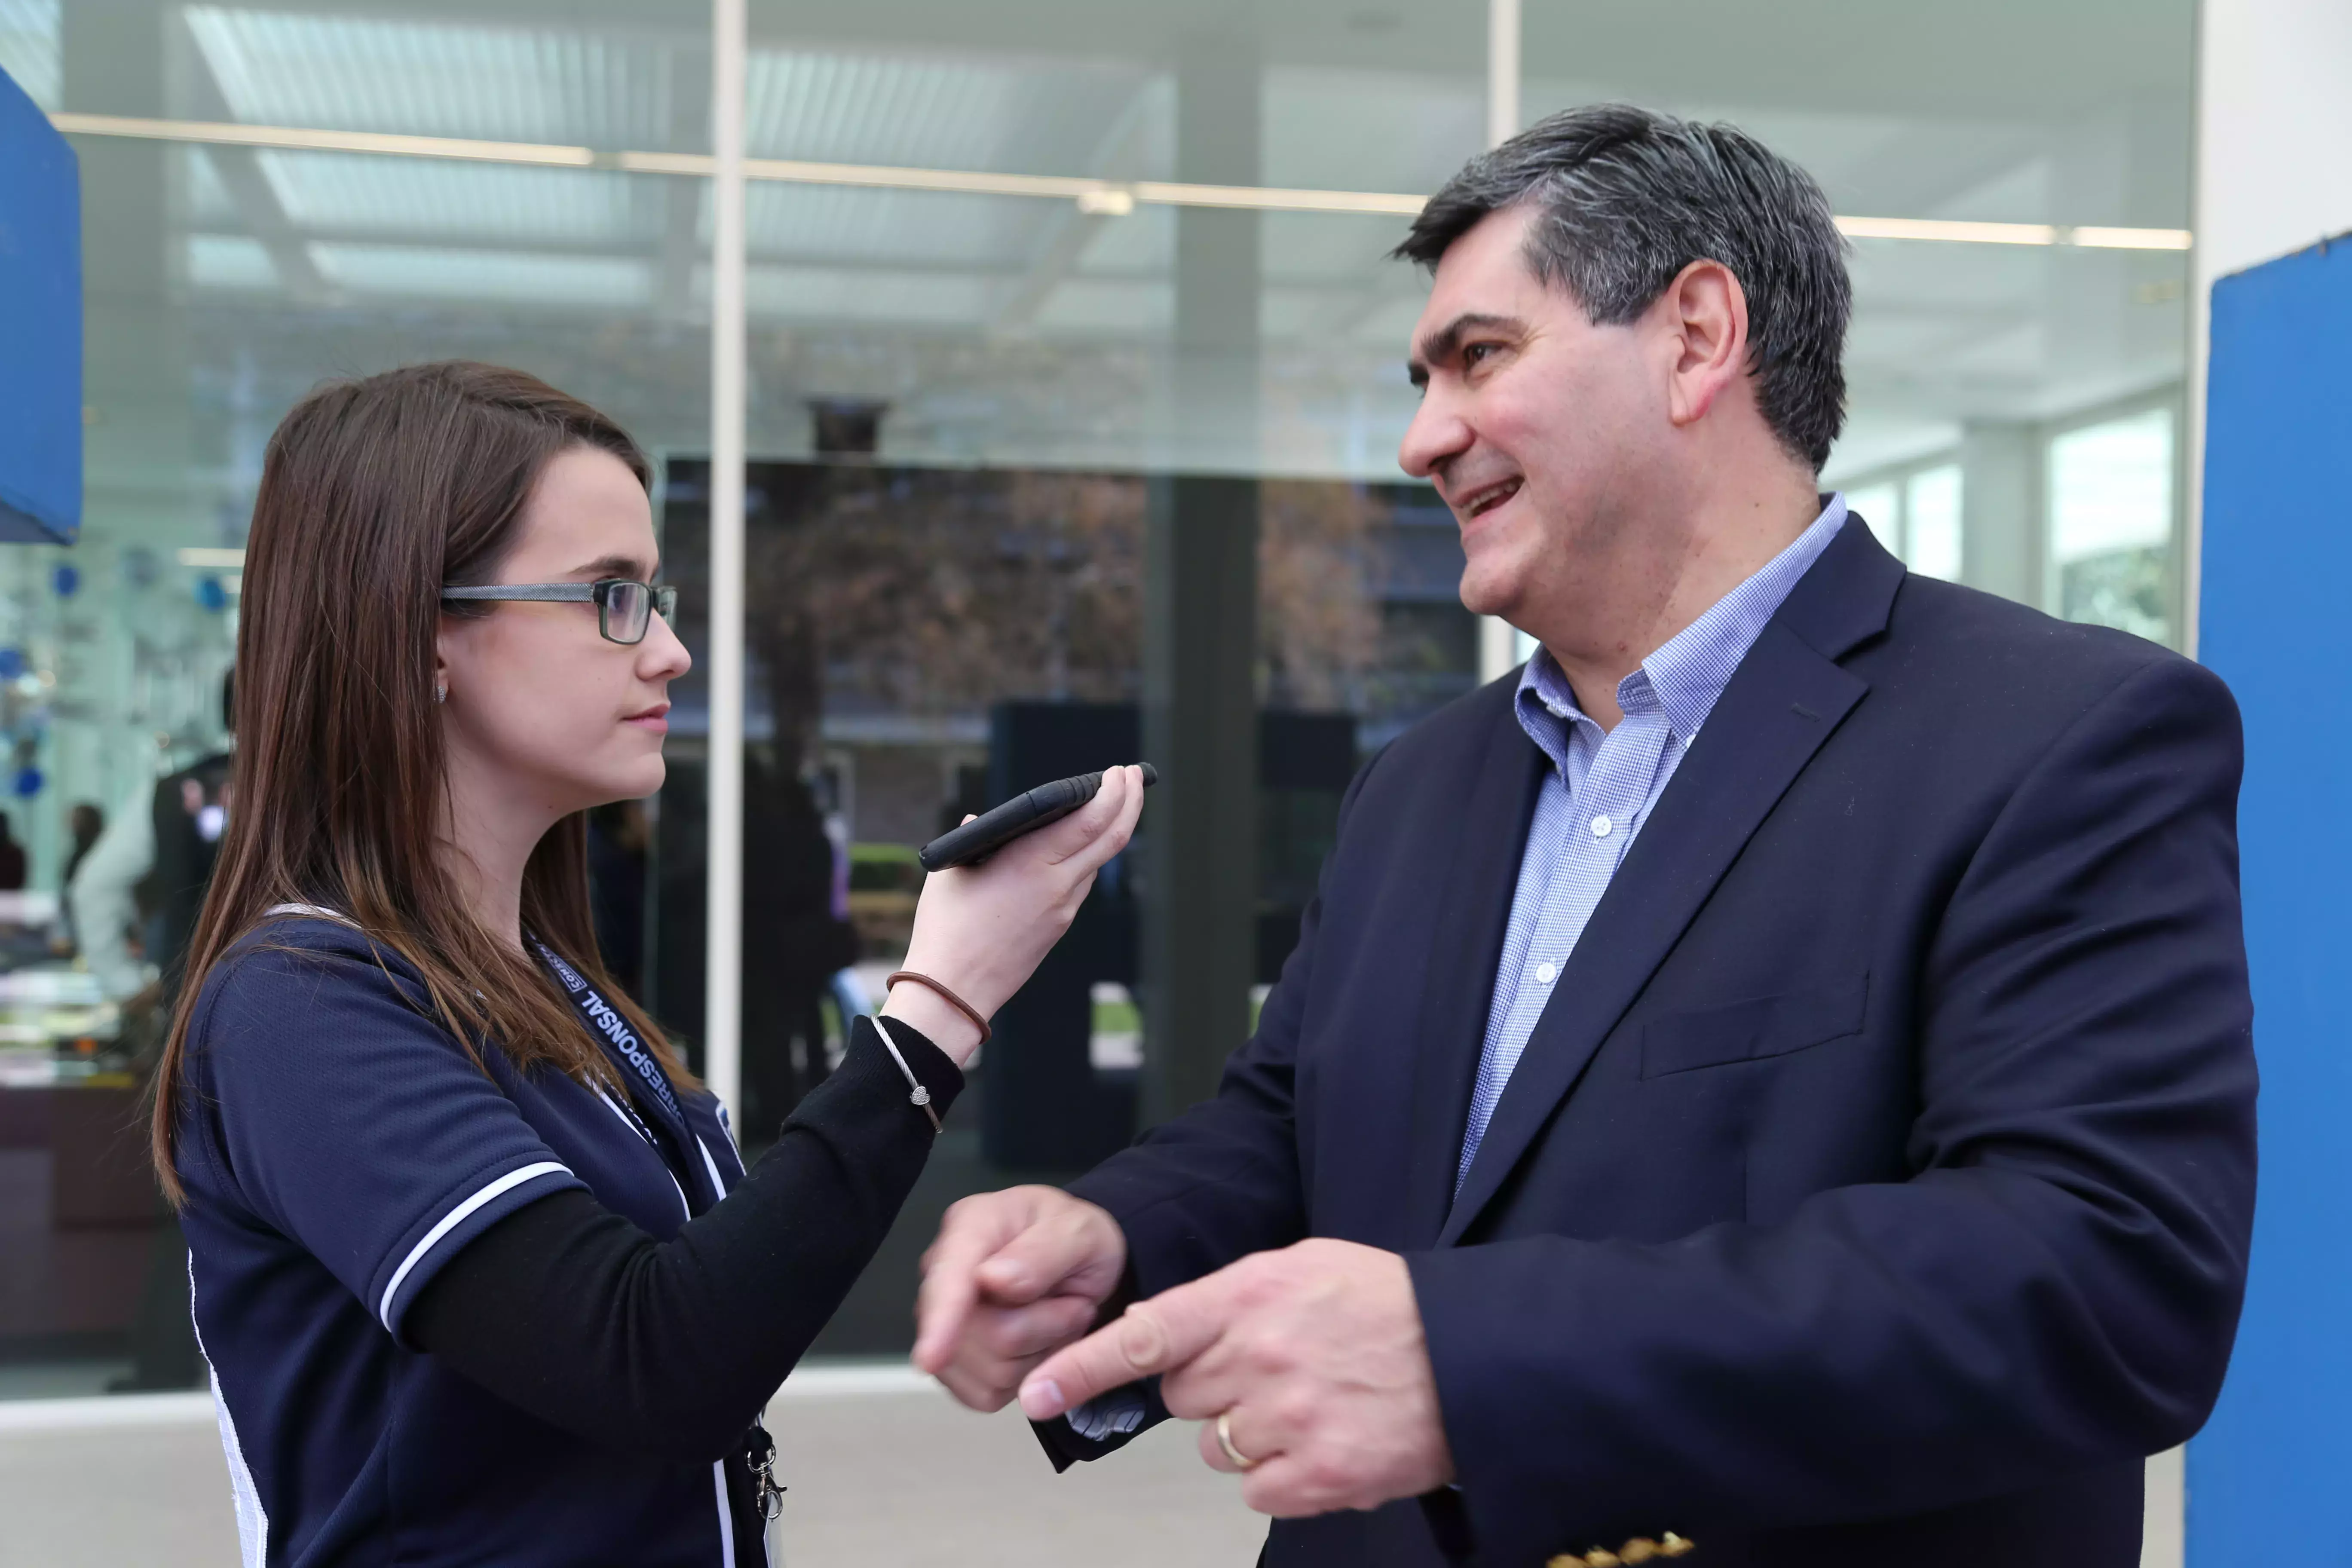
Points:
(641, 1071)
(649, 1089)
(614, 1031)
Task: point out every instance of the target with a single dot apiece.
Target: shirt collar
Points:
(1688, 675)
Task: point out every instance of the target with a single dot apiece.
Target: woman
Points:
(478, 1274)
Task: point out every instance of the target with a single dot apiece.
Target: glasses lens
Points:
(626, 607)
(665, 605)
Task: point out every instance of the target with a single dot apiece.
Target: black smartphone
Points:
(986, 834)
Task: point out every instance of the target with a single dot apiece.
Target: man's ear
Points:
(1705, 318)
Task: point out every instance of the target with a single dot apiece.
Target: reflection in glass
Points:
(2111, 522)
(1880, 505)
(1916, 515)
(927, 641)
(29, 48)
(1931, 522)
(222, 283)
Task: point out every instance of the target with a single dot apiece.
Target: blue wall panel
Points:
(2270, 1480)
(40, 325)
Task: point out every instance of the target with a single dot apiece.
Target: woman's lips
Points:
(654, 719)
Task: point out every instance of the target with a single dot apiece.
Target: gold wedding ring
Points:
(1225, 1441)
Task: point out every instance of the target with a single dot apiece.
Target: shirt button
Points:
(1547, 973)
(1601, 826)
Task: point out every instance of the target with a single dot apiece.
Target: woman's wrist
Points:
(939, 1020)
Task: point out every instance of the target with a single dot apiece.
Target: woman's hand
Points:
(982, 930)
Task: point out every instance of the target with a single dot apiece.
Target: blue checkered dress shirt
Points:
(1599, 791)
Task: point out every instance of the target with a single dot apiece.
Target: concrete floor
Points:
(879, 1472)
(881, 1469)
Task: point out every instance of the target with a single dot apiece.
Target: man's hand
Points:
(1315, 1356)
(1013, 1277)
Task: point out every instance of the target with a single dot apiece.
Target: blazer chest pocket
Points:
(1752, 1031)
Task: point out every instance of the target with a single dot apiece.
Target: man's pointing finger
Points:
(1154, 1336)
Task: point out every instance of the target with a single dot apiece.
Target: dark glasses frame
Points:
(658, 601)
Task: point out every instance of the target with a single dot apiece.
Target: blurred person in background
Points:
(191, 810)
(102, 897)
(188, 814)
(84, 823)
(620, 840)
(12, 859)
(788, 911)
(476, 1270)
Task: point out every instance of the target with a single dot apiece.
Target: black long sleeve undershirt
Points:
(570, 1313)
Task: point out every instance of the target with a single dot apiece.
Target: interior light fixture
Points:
(2130, 238)
(1967, 232)
(1948, 230)
(207, 559)
(303, 139)
(1102, 198)
(1115, 202)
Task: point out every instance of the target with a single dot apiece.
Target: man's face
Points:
(1533, 424)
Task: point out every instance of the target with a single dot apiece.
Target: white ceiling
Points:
(2066, 111)
(28, 47)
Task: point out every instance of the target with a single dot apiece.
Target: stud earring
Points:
(440, 692)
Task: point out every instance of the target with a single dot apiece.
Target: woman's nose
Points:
(662, 657)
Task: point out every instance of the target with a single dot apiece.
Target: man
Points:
(189, 812)
(1771, 1080)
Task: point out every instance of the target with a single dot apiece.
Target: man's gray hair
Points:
(1626, 199)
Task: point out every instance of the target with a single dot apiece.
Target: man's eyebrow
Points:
(1443, 343)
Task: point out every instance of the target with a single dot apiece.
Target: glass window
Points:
(2111, 522)
(1036, 472)
(29, 48)
(1931, 522)
(222, 283)
(1971, 344)
(1038, 476)
(1014, 457)
(1915, 515)
(1880, 505)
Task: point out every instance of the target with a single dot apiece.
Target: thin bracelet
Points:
(920, 1096)
(952, 1000)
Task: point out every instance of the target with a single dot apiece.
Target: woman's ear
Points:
(441, 663)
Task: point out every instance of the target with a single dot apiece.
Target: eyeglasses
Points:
(624, 610)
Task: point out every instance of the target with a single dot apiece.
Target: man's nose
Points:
(1437, 435)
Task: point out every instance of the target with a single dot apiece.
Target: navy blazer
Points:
(1876, 1187)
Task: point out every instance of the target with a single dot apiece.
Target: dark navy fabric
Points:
(1876, 1187)
(338, 1147)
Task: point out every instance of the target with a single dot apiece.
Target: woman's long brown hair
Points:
(375, 494)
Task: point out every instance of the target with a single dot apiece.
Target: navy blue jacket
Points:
(1876, 1187)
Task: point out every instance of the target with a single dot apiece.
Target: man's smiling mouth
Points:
(1479, 502)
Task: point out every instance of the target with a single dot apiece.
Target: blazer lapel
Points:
(1785, 701)
(1474, 913)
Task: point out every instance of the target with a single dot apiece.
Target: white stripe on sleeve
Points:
(455, 1217)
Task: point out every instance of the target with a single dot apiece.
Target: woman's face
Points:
(540, 708)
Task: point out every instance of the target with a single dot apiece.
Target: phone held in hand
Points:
(984, 835)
